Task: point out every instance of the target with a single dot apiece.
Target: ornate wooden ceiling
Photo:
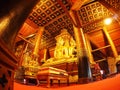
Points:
(52, 15)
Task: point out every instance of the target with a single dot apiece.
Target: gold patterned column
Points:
(37, 41)
(35, 55)
(110, 42)
(111, 60)
(84, 72)
(89, 49)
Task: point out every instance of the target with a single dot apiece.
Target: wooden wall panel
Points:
(8, 64)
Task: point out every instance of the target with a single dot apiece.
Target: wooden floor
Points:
(111, 83)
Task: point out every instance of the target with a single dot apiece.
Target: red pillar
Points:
(13, 13)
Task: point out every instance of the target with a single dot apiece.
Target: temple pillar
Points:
(45, 54)
(37, 44)
(38, 40)
(89, 50)
(13, 13)
(12, 16)
(113, 48)
(84, 71)
(111, 59)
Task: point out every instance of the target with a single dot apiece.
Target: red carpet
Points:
(106, 84)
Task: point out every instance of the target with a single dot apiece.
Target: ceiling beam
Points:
(95, 21)
(46, 31)
(96, 46)
(77, 4)
(25, 40)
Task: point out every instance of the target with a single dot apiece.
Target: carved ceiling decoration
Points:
(91, 13)
(51, 15)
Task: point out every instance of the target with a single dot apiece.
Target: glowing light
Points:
(107, 21)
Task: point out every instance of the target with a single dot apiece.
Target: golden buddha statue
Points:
(65, 45)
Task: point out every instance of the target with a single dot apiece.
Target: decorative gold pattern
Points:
(65, 45)
(51, 15)
(92, 12)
